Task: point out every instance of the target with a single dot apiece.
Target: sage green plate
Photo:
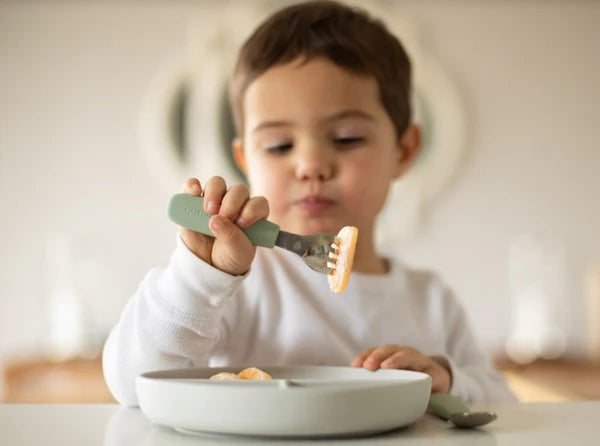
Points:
(300, 401)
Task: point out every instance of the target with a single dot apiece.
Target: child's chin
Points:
(314, 226)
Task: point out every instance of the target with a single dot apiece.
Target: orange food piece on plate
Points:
(224, 375)
(249, 373)
(253, 373)
(346, 242)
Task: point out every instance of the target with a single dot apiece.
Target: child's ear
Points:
(238, 154)
(409, 146)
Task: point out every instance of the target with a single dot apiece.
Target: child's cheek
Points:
(365, 189)
(270, 187)
(277, 204)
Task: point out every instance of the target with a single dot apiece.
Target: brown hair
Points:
(347, 36)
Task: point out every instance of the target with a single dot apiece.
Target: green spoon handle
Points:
(188, 211)
(443, 405)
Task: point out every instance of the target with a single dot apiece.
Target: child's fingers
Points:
(233, 201)
(439, 385)
(406, 359)
(214, 190)
(360, 358)
(226, 230)
(192, 186)
(257, 208)
(233, 252)
(378, 355)
(411, 359)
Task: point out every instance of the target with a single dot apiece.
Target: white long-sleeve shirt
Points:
(282, 313)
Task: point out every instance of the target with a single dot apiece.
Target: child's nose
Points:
(314, 166)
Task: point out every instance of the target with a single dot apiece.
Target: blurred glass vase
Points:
(65, 312)
(537, 278)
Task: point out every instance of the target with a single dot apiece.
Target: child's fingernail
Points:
(239, 222)
(211, 206)
(217, 223)
(196, 189)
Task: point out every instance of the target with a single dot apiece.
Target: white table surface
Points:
(572, 423)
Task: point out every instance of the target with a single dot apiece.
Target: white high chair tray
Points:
(300, 401)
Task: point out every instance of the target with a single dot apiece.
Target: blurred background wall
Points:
(74, 180)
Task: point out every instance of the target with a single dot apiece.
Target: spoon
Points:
(452, 408)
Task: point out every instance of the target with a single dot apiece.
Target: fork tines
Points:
(334, 251)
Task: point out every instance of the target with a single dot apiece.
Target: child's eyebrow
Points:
(335, 117)
(269, 124)
(350, 114)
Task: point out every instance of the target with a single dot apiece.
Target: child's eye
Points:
(279, 149)
(349, 140)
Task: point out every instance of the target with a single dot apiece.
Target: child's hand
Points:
(399, 357)
(231, 251)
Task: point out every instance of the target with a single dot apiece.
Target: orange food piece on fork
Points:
(346, 244)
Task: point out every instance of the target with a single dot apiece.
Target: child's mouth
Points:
(313, 204)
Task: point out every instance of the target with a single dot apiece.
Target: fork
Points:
(318, 251)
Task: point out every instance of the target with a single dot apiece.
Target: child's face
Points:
(320, 147)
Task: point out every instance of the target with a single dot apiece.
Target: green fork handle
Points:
(443, 405)
(187, 210)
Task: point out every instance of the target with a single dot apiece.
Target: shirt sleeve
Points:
(473, 377)
(172, 321)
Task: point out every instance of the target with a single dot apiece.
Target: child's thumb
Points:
(232, 251)
(225, 230)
